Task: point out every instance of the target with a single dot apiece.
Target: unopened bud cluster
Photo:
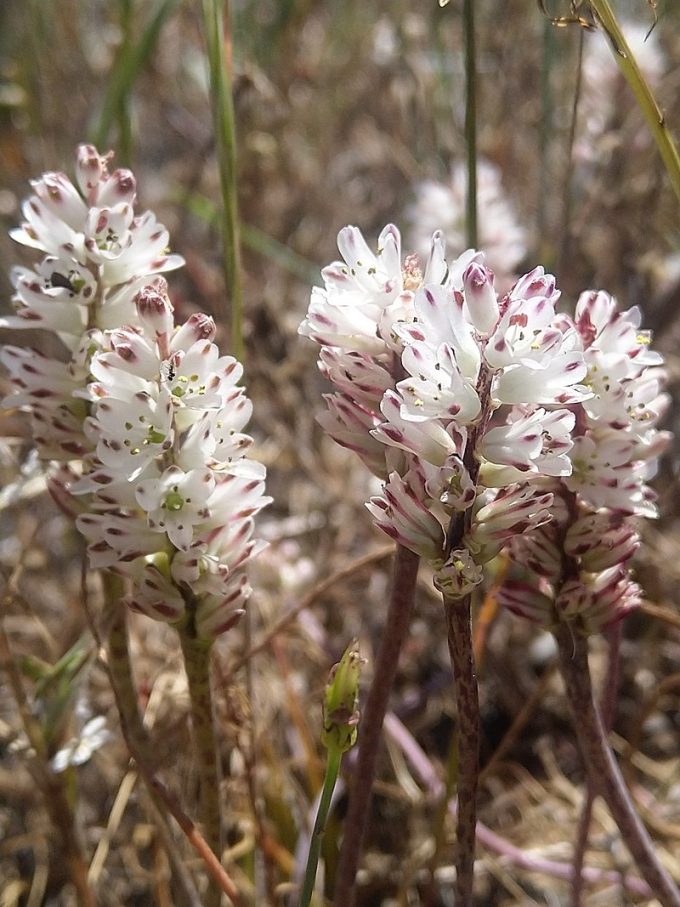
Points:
(494, 421)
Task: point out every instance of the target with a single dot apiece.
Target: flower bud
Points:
(480, 297)
(154, 307)
(119, 187)
(460, 575)
(197, 327)
(340, 712)
(90, 167)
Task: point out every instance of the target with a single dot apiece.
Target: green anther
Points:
(155, 436)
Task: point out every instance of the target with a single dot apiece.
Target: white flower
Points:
(347, 312)
(130, 432)
(80, 750)
(442, 319)
(500, 515)
(427, 438)
(176, 502)
(480, 297)
(536, 442)
(468, 393)
(436, 387)
(606, 473)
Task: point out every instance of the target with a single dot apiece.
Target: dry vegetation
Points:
(342, 107)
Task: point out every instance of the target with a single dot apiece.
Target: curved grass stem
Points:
(603, 769)
(628, 65)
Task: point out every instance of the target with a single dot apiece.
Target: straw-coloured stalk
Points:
(604, 15)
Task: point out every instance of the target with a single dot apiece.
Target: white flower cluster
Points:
(441, 206)
(173, 493)
(481, 413)
(579, 561)
(97, 254)
(152, 410)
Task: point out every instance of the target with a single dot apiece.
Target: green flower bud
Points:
(340, 712)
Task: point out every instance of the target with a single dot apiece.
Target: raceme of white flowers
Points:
(152, 409)
(97, 254)
(495, 422)
(173, 493)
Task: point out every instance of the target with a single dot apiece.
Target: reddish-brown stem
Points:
(459, 630)
(397, 620)
(196, 654)
(607, 710)
(603, 769)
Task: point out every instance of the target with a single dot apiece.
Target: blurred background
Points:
(346, 112)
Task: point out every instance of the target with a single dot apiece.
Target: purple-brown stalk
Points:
(397, 620)
(603, 769)
(458, 623)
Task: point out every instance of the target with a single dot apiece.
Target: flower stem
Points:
(332, 769)
(607, 709)
(470, 121)
(398, 618)
(643, 94)
(603, 769)
(197, 665)
(119, 661)
(459, 630)
(215, 13)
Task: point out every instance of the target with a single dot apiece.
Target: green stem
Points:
(544, 139)
(196, 654)
(643, 94)
(567, 203)
(332, 769)
(123, 112)
(470, 121)
(129, 64)
(225, 132)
